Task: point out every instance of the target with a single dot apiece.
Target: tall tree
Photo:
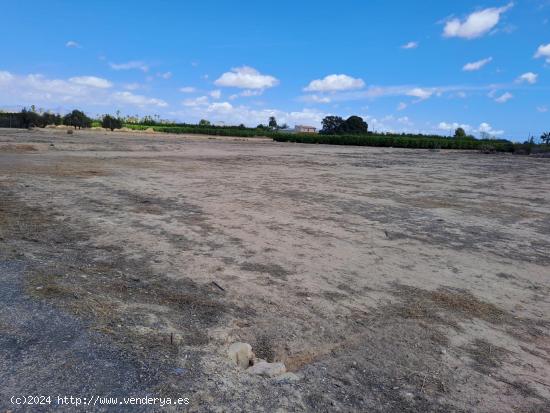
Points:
(354, 124)
(110, 122)
(273, 123)
(77, 119)
(460, 133)
(331, 124)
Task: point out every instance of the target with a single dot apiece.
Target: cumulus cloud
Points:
(246, 77)
(134, 64)
(132, 86)
(36, 88)
(91, 81)
(420, 93)
(542, 109)
(73, 45)
(528, 77)
(404, 120)
(198, 101)
(544, 52)
(470, 67)
(237, 114)
(476, 24)
(216, 94)
(315, 99)
(83, 91)
(505, 97)
(220, 107)
(188, 89)
(410, 45)
(138, 100)
(333, 83)
(165, 75)
(485, 128)
(451, 127)
(402, 106)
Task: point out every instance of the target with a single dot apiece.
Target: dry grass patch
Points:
(18, 148)
(486, 356)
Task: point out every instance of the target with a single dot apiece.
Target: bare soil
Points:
(386, 279)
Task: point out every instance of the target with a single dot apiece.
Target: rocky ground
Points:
(383, 279)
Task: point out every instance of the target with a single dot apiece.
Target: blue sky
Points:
(404, 66)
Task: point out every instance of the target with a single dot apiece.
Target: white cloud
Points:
(199, 101)
(135, 64)
(505, 97)
(138, 100)
(132, 86)
(485, 128)
(246, 77)
(165, 75)
(476, 24)
(72, 44)
(36, 88)
(543, 51)
(470, 67)
(315, 99)
(5, 77)
(332, 83)
(84, 91)
(188, 89)
(420, 93)
(216, 94)
(410, 45)
(402, 106)
(248, 92)
(235, 115)
(542, 109)
(220, 107)
(91, 81)
(528, 77)
(404, 120)
(451, 127)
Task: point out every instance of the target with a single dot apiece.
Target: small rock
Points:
(241, 354)
(443, 351)
(263, 368)
(287, 377)
(39, 287)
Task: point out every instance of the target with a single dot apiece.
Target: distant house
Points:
(305, 129)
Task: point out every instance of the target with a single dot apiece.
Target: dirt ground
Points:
(386, 280)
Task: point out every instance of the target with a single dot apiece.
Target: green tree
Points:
(331, 125)
(460, 133)
(204, 122)
(545, 138)
(273, 123)
(110, 122)
(77, 119)
(354, 124)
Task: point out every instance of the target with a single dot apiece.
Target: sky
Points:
(403, 66)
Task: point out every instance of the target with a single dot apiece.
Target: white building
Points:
(305, 129)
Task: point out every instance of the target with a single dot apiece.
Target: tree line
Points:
(331, 125)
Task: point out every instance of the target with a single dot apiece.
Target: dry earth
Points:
(387, 280)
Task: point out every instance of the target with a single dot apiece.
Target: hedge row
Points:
(398, 141)
(219, 131)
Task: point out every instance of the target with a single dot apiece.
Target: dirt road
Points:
(385, 279)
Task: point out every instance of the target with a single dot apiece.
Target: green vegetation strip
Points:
(395, 141)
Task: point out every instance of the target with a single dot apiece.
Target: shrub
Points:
(110, 122)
